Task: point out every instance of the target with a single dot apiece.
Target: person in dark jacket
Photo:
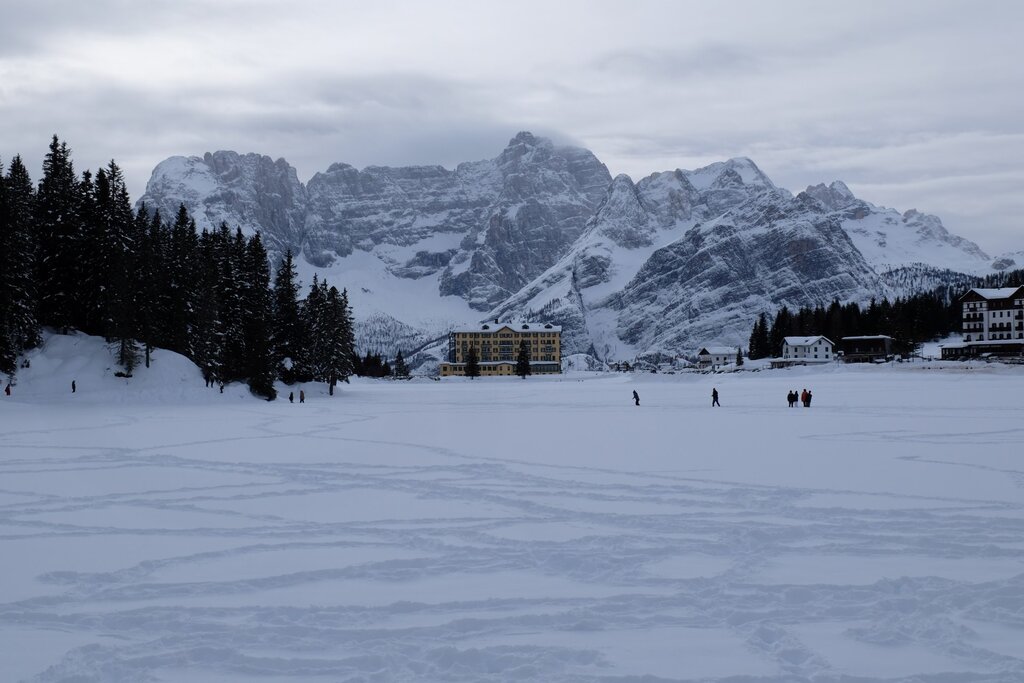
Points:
(809, 397)
(636, 397)
(714, 398)
(7, 390)
(791, 397)
(291, 397)
(73, 387)
(302, 396)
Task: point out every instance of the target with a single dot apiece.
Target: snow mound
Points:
(89, 362)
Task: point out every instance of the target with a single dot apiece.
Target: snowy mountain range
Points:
(674, 261)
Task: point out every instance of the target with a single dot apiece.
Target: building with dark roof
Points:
(497, 347)
(993, 324)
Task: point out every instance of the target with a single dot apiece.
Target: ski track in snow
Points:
(341, 544)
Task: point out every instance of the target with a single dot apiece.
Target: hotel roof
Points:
(492, 327)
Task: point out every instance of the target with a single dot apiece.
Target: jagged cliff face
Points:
(677, 260)
(247, 190)
(768, 251)
(509, 218)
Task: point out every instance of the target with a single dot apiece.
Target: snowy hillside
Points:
(179, 535)
(888, 239)
(543, 230)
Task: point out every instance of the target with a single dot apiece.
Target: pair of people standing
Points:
(302, 396)
(714, 398)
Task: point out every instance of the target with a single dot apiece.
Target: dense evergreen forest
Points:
(75, 256)
(909, 320)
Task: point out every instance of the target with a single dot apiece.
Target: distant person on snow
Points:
(714, 398)
(291, 397)
(302, 396)
(636, 397)
(7, 390)
(791, 398)
(72, 386)
(809, 397)
(803, 397)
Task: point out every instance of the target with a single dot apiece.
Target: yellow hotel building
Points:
(497, 347)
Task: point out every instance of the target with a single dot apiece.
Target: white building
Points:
(817, 349)
(993, 324)
(714, 357)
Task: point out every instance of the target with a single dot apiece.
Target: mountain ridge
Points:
(678, 259)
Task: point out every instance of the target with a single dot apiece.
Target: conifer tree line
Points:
(911, 320)
(76, 256)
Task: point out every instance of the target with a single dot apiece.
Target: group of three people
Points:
(804, 397)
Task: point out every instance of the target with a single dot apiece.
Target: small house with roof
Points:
(803, 350)
(867, 348)
(714, 357)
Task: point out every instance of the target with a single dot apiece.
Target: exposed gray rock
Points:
(250, 191)
(677, 260)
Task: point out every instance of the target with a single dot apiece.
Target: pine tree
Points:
(472, 363)
(19, 329)
(401, 369)
(182, 278)
(8, 347)
(92, 281)
(204, 335)
(757, 334)
(781, 328)
(58, 238)
(152, 281)
(311, 364)
(261, 368)
(119, 232)
(339, 345)
(739, 357)
(523, 359)
(288, 329)
(231, 292)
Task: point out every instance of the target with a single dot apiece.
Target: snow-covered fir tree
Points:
(19, 329)
(523, 359)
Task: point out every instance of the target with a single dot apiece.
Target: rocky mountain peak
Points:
(833, 197)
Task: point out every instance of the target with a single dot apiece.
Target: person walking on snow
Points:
(636, 397)
(291, 397)
(302, 396)
(714, 398)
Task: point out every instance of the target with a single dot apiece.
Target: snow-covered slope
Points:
(89, 362)
(678, 259)
(888, 239)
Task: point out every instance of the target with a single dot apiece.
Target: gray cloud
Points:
(914, 104)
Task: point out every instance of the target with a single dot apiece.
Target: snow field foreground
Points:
(500, 529)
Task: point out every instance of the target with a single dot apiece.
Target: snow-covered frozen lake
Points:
(540, 530)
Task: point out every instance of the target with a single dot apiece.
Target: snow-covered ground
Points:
(500, 529)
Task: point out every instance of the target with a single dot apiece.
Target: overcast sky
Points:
(912, 104)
